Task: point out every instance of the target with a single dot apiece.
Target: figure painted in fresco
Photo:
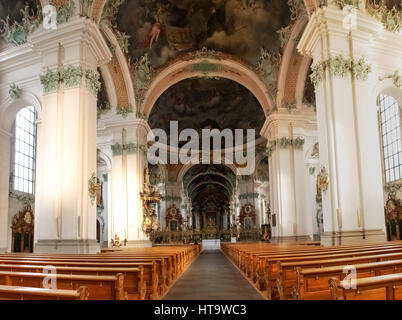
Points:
(166, 28)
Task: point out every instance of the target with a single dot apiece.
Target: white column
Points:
(128, 162)
(65, 214)
(287, 173)
(347, 122)
(5, 138)
(136, 162)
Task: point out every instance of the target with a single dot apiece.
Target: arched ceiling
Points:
(166, 28)
(202, 181)
(209, 179)
(202, 103)
(213, 169)
(208, 192)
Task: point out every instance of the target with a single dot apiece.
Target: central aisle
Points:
(212, 277)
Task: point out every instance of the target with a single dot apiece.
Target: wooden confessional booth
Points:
(393, 219)
(23, 231)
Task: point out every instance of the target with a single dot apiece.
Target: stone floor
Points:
(212, 277)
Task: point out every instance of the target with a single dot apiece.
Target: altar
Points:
(211, 244)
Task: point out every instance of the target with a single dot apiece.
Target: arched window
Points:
(391, 137)
(25, 142)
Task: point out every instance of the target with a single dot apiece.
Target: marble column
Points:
(286, 134)
(128, 162)
(5, 139)
(65, 213)
(347, 119)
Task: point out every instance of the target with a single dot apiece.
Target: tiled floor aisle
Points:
(212, 277)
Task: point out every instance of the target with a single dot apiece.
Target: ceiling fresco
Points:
(209, 179)
(166, 28)
(214, 184)
(13, 8)
(210, 192)
(201, 103)
(209, 169)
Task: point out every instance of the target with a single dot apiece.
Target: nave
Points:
(212, 277)
(271, 271)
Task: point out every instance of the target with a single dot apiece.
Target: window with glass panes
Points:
(391, 137)
(25, 141)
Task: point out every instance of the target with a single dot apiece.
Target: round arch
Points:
(194, 188)
(9, 113)
(189, 165)
(223, 67)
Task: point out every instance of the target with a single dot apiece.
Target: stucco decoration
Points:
(18, 20)
(71, 76)
(339, 66)
(142, 79)
(124, 110)
(50, 81)
(15, 91)
(268, 68)
(65, 10)
(389, 12)
(102, 100)
(129, 148)
(92, 81)
(285, 143)
(85, 7)
(396, 78)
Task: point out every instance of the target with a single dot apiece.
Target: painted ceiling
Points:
(13, 8)
(210, 193)
(204, 181)
(166, 28)
(201, 103)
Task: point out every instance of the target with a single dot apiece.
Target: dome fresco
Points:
(201, 103)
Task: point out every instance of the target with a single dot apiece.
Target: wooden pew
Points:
(153, 274)
(136, 283)
(286, 276)
(99, 287)
(26, 293)
(257, 254)
(260, 259)
(386, 287)
(312, 284)
(164, 266)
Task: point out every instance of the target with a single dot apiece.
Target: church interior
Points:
(293, 177)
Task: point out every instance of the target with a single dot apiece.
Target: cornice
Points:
(76, 31)
(276, 120)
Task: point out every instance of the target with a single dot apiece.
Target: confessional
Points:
(393, 219)
(22, 231)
